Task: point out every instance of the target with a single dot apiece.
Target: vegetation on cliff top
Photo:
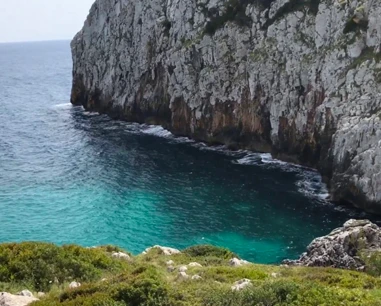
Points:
(146, 279)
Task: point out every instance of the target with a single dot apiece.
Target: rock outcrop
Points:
(298, 78)
(164, 250)
(7, 299)
(342, 247)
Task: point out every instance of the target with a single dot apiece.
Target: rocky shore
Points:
(199, 275)
(346, 247)
(299, 79)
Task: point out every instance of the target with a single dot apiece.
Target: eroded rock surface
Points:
(300, 79)
(342, 247)
(7, 299)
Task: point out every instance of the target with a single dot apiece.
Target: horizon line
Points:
(34, 41)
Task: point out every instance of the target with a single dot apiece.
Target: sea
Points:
(70, 176)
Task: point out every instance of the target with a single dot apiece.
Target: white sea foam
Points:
(309, 181)
(311, 185)
(249, 159)
(91, 114)
(63, 106)
(157, 131)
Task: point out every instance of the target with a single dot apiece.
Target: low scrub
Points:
(145, 280)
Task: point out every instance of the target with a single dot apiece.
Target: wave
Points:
(157, 131)
(309, 181)
(63, 106)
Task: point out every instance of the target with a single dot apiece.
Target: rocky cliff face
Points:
(298, 78)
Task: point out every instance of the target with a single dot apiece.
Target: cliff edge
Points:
(298, 78)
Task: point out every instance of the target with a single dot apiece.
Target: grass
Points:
(145, 279)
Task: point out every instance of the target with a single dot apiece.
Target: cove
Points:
(69, 176)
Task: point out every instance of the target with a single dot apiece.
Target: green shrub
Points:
(209, 251)
(372, 263)
(40, 265)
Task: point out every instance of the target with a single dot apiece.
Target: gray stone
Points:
(25, 293)
(235, 262)
(120, 255)
(194, 264)
(165, 250)
(183, 275)
(241, 284)
(340, 248)
(7, 299)
(196, 277)
(74, 285)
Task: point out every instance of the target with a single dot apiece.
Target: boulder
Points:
(183, 269)
(342, 247)
(25, 293)
(165, 250)
(74, 285)
(235, 262)
(7, 299)
(183, 275)
(170, 263)
(195, 264)
(120, 255)
(196, 277)
(241, 284)
(171, 269)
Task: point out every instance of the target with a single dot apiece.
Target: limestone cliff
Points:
(298, 78)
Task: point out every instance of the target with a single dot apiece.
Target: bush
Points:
(209, 251)
(372, 263)
(40, 265)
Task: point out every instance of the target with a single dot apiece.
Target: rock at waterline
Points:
(341, 248)
(7, 299)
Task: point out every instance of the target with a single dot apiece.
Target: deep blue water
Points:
(68, 176)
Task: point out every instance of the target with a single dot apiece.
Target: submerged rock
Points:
(342, 247)
(7, 299)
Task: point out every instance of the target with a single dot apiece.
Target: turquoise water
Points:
(69, 176)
